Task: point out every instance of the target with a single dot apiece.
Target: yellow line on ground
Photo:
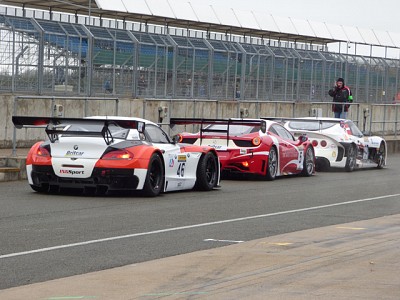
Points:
(351, 228)
(281, 244)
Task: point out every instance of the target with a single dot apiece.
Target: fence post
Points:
(395, 123)
(14, 141)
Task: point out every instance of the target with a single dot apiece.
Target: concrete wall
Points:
(381, 120)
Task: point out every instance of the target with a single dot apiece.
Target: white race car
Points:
(102, 154)
(339, 143)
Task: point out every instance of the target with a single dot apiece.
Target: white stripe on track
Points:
(194, 226)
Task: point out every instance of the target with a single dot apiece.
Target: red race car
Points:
(251, 146)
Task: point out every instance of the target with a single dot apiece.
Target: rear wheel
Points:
(207, 172)
(40, 189)
(155, 177)
(272, 168)
(309, 162)
(381, 160)
(351, 158)
(322, 164)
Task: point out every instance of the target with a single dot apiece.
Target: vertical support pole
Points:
(14, 142)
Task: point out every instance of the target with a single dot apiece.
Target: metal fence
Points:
(49, 57)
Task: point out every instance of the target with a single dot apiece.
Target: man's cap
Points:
(340, 79)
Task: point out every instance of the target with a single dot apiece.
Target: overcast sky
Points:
(369, 14)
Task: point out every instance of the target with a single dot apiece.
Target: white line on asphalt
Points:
(222, 241)
(194, 226)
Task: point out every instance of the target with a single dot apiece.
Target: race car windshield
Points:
(116, 131)
(311, 126)
(354, 129)
(236, 130)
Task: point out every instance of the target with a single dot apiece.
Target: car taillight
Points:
(314, 143)
(256, 141)
(42, 151)
(323, 143)
(118, 154)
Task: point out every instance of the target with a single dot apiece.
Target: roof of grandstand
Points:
(184, 14)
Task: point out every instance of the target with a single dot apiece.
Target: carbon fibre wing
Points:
(55, 126)
(227, 122)
(320, 122)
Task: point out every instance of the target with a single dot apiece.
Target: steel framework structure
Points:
(48, 57)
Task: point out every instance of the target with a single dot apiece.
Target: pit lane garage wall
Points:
(377, 119)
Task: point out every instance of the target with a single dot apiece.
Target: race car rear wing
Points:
(55, 126)
(227, 122)
(310, 120)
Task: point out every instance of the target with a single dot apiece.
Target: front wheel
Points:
(351, 158)
(207, 172)
(155, 177)
(272, 168)
(381, 156)
(309, 162)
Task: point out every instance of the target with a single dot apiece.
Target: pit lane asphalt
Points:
(289, 205)
(358, 260)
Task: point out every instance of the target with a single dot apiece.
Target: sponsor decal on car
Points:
(74, 153)
(72, 172)
(171, 162)
(301, 155)
(218, 147)
(181, 158)
(373, 141)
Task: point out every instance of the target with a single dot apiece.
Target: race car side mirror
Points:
(263, 127)
(177, 138)
(303, 138)
(140, 127)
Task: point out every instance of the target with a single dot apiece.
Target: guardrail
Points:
(376, 119)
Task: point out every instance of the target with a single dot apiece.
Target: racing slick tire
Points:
(207, 172)
(382, 156)
(351, 158)
(40, 189)
(322, 164)
(309, 162)
(154, 181)
(272, 167)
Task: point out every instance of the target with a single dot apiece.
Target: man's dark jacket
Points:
(340, 95)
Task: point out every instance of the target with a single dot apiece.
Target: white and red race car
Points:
(339, 143)
(102, 154)
(252, 146)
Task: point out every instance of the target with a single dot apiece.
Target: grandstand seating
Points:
(120, 48)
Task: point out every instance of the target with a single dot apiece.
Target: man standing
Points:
(142, 85)
(340, 94)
